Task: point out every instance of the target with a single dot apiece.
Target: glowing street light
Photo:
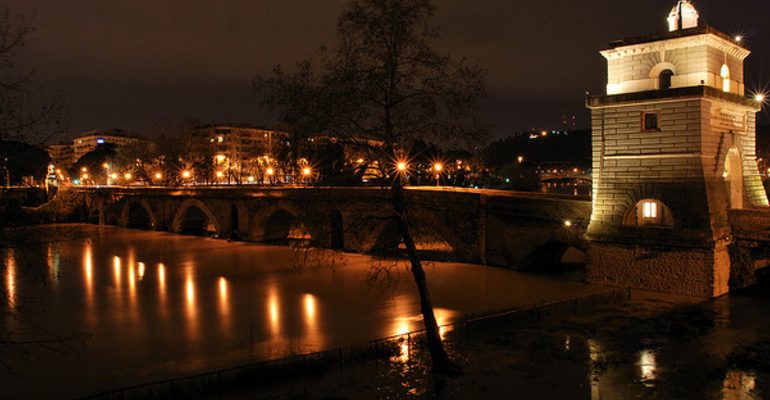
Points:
(438, 167)
(520, 159)
(270, 171)
(738, 38)
(760, 97)
(113, 176)
(186, 174)
(220, 174)
(158, 175)
(402, 166)
(127, 176)
(250, 179)
(106, 166)
(306, 171)
(84, 169)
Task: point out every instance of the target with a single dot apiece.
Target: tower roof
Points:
(684, 15)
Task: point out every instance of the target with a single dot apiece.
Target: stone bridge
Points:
(520, 230)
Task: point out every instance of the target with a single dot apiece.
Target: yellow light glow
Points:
(568, 223)
(306, 171)
(738, 38)
(250, 179)
(127, 175)
(222, 289)
(221, 158)
(760, 97)
(113, 175)
(84, 176)
(186, 174)
(270, 171)
(520, 159)
(158, 175)
(84, 169)
(402, 166)
(360, 161)
(105, 165)
(438, 167)
(220, 174)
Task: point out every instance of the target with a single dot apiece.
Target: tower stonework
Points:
(674, 150)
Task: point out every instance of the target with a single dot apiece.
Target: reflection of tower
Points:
(674, 151)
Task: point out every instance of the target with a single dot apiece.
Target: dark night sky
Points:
(131, 63)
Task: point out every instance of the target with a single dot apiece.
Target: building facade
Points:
(88, 141)
(674, 150)
(238, 151)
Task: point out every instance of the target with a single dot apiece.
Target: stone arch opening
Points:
(195, 220)
(283, 226)
(649, 212)
(557, 258)
(336, 230)
(138, 217)
(664, 79)
(430, 244)
(733, 176)
(725, 74)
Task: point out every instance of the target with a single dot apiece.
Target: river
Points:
(93, 308)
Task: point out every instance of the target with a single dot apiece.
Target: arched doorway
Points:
(733, 175)
(664, 79)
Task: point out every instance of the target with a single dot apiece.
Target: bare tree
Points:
(21, 114)
(383, 87)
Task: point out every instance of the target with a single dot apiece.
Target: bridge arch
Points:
(556, 256)
(431, 241)
(138, 214)
(278, 223)
(195, 217)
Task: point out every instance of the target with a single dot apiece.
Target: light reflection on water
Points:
(10, 279)
(155, 305)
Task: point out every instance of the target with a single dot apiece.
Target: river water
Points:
(88, 309)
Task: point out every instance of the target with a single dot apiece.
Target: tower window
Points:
(664, 80)
(650, 121)
(650, 210)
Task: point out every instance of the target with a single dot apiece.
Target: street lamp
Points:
(520, 159)
(402, 166)
(438, 167)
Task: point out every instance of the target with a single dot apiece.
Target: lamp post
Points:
(7, 182)
(438, 167)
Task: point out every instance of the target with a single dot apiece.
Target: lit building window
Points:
(650, 210)
(725, 74)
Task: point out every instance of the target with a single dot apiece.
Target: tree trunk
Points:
(438, 354)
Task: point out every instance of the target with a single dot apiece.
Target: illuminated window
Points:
(650, 121)
(725, 74)
(220, 139)
(650, 210)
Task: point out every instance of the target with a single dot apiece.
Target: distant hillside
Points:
(573, 148)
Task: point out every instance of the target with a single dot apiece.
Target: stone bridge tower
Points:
(673, 151)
